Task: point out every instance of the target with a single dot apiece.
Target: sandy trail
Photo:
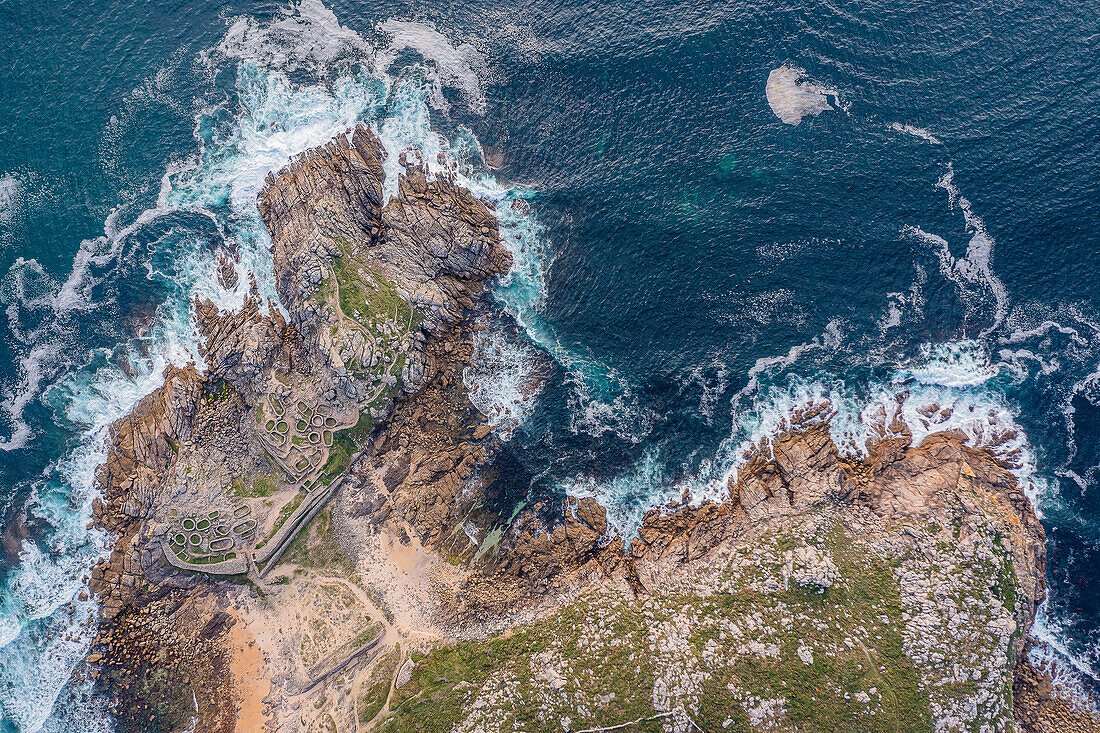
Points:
(250, 677)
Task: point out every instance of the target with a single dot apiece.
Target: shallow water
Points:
(691, 266)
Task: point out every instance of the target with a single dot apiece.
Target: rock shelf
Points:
(329, 455)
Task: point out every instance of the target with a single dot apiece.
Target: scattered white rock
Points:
(404, 674)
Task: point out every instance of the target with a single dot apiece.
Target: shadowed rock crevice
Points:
(351, 387)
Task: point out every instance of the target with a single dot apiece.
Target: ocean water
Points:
(719, 212)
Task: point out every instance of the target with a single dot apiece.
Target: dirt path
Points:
(882, 680)
(250, 678)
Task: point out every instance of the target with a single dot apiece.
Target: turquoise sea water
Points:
(693, 265)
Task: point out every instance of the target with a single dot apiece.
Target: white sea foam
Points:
(271, 120)
(792, 95)
(946, 388)
(918, 132)
(974, 269)
(955, 364)
(48, 642)
(892, 318)
(830, 338)
(455, 65)
(32, 368)
(31, 295)
(504, 378)
(27, 295)
(1067, 670)
(80, 707)
(11, 198)
(901, 306)
(953, 387)
(629, 494)
(305, 37)
(1014, 360)
(30, 299)
(601, 399)
(647, 484)
(712, 388)
(42, 641)
(1020, 335)
(74, 293)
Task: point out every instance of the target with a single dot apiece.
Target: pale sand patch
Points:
(410, 579)
(307, 613)
(250, 677)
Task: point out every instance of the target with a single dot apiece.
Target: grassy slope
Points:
(610, 650)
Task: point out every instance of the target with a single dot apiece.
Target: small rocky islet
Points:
(305, 536)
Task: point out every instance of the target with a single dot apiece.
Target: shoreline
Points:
(405, 570)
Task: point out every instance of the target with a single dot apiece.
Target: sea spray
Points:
(504, 377)
(628, 494)
(211, 197)
(11, 199)
(1067, 668)
(951, 387)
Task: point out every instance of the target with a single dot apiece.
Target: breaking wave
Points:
(304, 78)
(456, 66)
(504, 378)
(917, 132)
(205, 205)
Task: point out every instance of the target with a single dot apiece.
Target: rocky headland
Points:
(307, 535)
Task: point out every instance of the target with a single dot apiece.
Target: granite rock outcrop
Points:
(351, 385)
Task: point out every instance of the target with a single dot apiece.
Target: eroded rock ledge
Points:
(320, 477)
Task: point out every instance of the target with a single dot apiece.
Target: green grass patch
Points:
(815, 693)
(433, 700)
(258, 486)
(346, 444)
(617, 661)
(325, 292)
(377, 687)
(287, 510)
(315, 546)
(373, 304)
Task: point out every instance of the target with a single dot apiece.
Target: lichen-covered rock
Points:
(892, 592)
(434, 240)
(863, 614)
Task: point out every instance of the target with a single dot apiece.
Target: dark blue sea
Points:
(718, 211)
